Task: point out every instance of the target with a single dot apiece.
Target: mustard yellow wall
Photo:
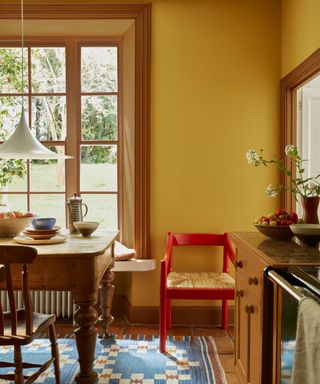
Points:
(300, 32)
(215, 81)
(215, 94)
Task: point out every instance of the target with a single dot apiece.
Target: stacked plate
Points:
(41, 234)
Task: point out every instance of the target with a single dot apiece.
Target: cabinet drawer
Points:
(248, 329)
(250, 270)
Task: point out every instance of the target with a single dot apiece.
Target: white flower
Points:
(252, 156)
(291, 150)
(313, 187)
(271, 192)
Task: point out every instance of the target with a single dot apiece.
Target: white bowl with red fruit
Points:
(14, 222)
(277, 225)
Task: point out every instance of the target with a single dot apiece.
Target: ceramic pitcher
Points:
(75, 213)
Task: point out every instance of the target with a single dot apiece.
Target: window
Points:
(99, 133)
(291, 86)
(134, 184)
(64, 111)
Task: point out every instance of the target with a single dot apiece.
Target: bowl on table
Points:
(275, 232)
(43, 223)
(308, 234)
(86, 228)
(11, 227)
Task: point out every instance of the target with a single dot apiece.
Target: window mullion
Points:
(29, 120)
(73, 111)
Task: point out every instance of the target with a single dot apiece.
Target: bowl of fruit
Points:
(14, 222)
(277, 225)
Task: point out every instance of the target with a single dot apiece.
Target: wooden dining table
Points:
(83, 266)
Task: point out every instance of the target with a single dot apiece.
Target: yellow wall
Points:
(215, 94)
(300, 32)
(215, 80)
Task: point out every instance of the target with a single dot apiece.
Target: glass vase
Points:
(310, 209)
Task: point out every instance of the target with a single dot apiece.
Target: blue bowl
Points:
(43, 223)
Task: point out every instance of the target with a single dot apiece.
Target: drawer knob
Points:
(249, 308)
(239, 264)
(240, 293)
(253, 281)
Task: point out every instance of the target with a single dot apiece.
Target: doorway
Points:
(308, 128)
(300, 120)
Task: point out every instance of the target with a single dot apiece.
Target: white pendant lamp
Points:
(22, 144)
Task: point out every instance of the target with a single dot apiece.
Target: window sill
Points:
(135, 265)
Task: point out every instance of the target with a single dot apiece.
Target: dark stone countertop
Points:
(277, 252)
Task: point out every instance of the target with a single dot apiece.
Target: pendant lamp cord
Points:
(22, 53)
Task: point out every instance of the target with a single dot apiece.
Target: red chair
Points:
(194, 285)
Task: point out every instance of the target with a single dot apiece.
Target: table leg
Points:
(106, 290)
(85, 317)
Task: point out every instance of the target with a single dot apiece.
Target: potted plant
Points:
(307, 190)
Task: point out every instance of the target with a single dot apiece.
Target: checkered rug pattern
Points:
(188, 360)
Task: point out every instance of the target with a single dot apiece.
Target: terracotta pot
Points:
(310, 209)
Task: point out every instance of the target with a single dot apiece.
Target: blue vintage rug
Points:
(189, 360)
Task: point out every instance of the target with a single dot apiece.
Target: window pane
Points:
(98, 170)
(13, 175)
(49, 206)
(99, 69)
(10, 112)
(11, 68)
(48, 175)
(101, 208)
(48, 70)
(49, 117)
(14, 203)
(99, 117)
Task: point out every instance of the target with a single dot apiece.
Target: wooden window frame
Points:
(141, 14)
(303, 73)
(77, 142)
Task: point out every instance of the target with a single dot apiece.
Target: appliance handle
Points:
(276, 278)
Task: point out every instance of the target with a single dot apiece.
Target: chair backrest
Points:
(22, 256)
(206, 239)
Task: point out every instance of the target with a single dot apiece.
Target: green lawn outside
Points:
(95, 177)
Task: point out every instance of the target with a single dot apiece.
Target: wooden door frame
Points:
(289, 84)
(141, 14)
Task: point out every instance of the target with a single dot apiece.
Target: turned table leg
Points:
(86, 317)
(106, 290)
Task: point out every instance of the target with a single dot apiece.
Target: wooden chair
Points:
(194, 285)
(20, 326)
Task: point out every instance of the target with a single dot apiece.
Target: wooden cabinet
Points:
(257, 352)
(249, 316)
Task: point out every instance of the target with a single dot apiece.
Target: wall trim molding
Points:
(46, 9)
(141, 14)
(182, 315)
(300, 75)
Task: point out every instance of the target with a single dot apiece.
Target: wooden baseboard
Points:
(186, 315)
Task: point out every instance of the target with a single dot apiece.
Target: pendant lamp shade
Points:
(23, 145)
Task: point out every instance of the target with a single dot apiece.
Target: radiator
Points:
(58, 302)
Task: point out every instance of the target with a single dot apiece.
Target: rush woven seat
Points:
(20, 326)
(200, 280)
(211, 285)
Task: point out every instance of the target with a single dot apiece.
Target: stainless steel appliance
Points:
(290, 285)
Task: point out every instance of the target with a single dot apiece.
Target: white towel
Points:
(121, 252)
(306, 364)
